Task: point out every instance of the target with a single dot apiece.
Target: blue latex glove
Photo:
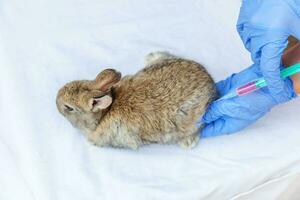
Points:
(231, 115)
(264, 27)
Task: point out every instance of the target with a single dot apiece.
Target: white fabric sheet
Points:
(44, 44)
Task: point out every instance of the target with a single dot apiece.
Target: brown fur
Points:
(159, 104)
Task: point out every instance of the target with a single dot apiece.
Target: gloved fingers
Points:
(222, 108)
(249, 107)
(249, 74)
(224, 86)
(236, 80)
(212, 113)
(214, 128)
(227, 125)
(223, 126)
(270, 63)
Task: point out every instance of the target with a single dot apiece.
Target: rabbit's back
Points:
(164, 98)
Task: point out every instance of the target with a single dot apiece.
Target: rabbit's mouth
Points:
(86, 123)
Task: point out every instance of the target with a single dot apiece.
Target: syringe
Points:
(260, 83)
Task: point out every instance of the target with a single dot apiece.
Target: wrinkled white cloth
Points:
(44, 44)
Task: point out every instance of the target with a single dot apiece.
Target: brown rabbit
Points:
(159, 104)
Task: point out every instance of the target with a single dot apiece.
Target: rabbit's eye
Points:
(68, 108)
(94, 102)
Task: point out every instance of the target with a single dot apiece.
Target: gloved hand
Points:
(231, 115)
(264, 27)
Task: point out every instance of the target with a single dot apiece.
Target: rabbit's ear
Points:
(100, 103)
(106, 79)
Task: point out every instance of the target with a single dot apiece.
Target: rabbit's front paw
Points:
(94, 139)
(189, 142)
